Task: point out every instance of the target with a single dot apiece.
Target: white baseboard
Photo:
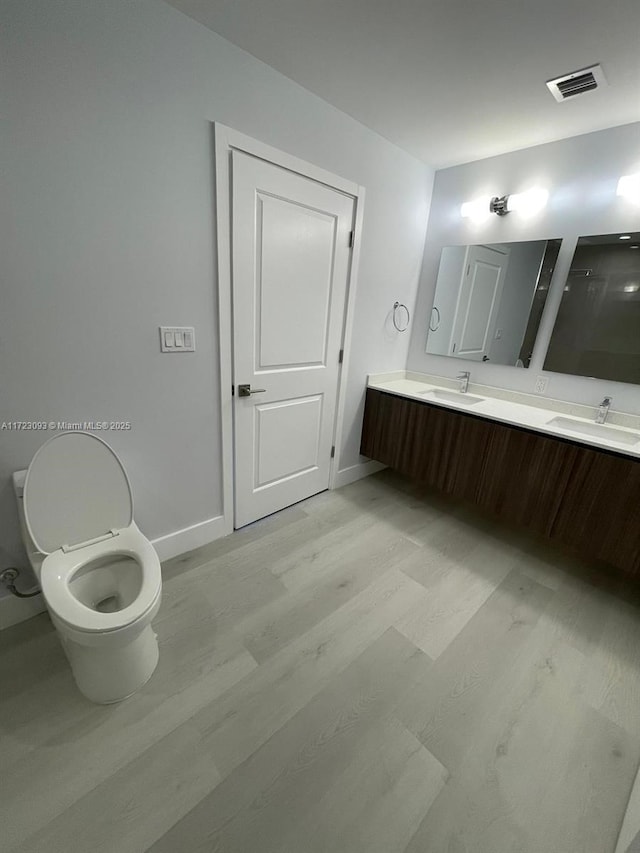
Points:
(14, 610)
(356, 472)
(195, 536)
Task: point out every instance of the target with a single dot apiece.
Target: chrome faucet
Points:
(603, 410)
(463, 378)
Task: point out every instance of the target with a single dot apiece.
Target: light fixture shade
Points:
(529, 202)
(629, 187)
(478, 209)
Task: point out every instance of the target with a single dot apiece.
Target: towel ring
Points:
(396, 307)
(437, 325)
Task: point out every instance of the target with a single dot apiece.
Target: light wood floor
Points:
(371, 671)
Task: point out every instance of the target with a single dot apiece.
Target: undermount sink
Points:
(592, 430)
(452, 397)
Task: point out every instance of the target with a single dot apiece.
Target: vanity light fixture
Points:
(527, 203)
(629, 187)
(499, 205)
(478, 209)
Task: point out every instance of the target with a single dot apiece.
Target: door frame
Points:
(227, 140)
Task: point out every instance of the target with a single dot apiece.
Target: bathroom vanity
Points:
(553, 471)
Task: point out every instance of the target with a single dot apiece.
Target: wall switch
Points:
(498, 334)
(541, 384)
(177, 339)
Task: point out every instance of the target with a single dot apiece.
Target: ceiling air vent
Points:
(577, 83)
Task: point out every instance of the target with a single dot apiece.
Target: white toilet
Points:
(100, 576)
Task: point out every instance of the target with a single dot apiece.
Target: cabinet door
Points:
(434, 446)
(384, 428)
(600, 510)
(525, 477)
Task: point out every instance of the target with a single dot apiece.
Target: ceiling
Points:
(450, 81)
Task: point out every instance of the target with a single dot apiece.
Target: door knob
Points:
(246, 391)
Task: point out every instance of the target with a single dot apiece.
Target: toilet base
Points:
(111, 674)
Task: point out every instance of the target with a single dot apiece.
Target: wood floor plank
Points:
(226, 598)
(258, 706)
(533, 781)
(33, 666)
(455, 595)
(612, 687)
(253, 808)
(451, 540)
(531, 736)
(29, 651)
(454, 696)
(324, 554)
(631, 823)
(378, 802)
(575, 615)
(135, 806)
(273, 627)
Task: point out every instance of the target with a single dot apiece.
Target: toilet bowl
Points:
(100, 576)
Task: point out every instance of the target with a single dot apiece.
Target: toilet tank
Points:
(35, 557)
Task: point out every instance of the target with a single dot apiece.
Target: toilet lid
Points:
(76, 489)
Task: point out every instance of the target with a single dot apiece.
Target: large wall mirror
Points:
(597, 329)
(489, 300)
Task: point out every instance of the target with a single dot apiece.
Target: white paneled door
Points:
(478, 301)
(291, 255)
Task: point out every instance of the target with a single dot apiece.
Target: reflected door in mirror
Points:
(478, 302)
(489, 300)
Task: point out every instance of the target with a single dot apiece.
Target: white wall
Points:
(581, 174)
(108, 225)
(449, 280)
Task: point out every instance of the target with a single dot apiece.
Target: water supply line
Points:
(8, 578)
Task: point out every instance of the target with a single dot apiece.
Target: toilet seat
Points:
(75, 492)
(59, 569)
(78, 509)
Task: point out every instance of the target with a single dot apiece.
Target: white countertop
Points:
(417, 387)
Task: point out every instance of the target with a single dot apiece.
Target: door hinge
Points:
(351, 239)
(333, 451)
(454, 348)
(341, 356)
(233, 390)
(78, 545)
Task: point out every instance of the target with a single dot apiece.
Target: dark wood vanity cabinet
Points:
(585, 498)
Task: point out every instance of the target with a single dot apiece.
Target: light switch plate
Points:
(171, 335)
